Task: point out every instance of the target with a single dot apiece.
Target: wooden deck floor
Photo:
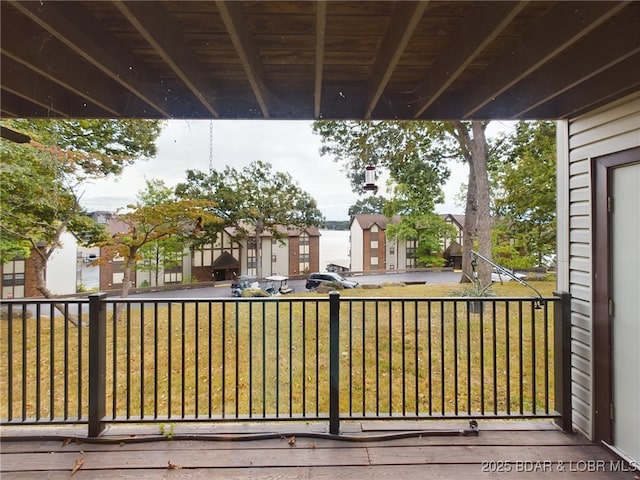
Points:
(505, 450)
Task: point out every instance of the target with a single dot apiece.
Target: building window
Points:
(374, 260)
(13, 279)
(374, 229)
(411, 253)
(274, 258)
(374, 244)
(304, 253)
(392, 250)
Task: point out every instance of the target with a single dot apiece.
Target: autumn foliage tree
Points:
(143, 225)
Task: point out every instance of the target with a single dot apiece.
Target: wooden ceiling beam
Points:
(614, 43)
(560, 28)
(34, 52)
(88, 39)
(486, 22)
(235, 21)
(406, 17)
(621, 79)
(321, 24)
(161, 33)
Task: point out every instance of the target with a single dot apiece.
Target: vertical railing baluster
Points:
(442, 359)
(416, 368)
(455, 358)
(25, 394)
(142, 311)
(429, 357)
(521, 356)
(183, 354)
(156, 397)
(533, 359)
(250, 373)
(404, 365)
(290, 361)
(196, 360)
(545, 305)
(52, 363)
(169, 358)
(334, 363)
(469, 353)
(9, 361)
(363, 357)
(38, 380)
(482, 386)
(495, 357)
(507, 356)
(277, 360)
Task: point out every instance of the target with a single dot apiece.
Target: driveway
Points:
(223, 290)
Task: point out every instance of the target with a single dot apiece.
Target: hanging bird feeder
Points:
(370, 179)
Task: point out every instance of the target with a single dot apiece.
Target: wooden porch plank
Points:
(484, 438)
(200, 458)
(405, 472)
(479, 454)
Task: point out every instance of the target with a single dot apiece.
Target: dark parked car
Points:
(317, 278)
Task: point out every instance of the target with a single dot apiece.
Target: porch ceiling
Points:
(308, 60)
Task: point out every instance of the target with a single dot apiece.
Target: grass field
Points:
(271, 358)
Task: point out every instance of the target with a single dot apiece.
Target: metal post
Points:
(334, 363)
(97, 362)
(562, 359)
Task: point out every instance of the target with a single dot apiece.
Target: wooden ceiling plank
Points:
(161, 33)
(549, 37)
(321, 25)
(18, 107)
(611, 44)
(620, 80)
(104, 54)
(33, 52)
(471, 38)
(406, 17)
(235, 21)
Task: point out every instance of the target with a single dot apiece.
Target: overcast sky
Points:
(289, 146)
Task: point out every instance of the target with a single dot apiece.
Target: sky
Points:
(290, 146)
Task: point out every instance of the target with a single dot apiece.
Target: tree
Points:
(149, 224)
(253, 200)
(415, 154)
(41, 180)
(369, 204)
(526, 197)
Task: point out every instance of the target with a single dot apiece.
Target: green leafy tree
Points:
(369, 204)
(41, 181)
(415, 155)
(253, 200)
(526, 195)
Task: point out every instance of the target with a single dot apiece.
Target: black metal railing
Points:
(283, 358)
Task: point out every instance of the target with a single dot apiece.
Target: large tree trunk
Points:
(477, 222)
(479, 154)
(470, 222)
(40, 266)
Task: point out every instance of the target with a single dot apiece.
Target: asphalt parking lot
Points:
(223, 289)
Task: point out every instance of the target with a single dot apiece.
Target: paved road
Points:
(223, 290)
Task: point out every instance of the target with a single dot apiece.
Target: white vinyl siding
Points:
(606, 130)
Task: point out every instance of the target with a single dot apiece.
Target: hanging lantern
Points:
(370, 179)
